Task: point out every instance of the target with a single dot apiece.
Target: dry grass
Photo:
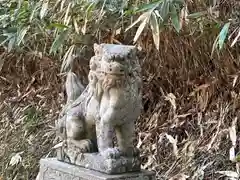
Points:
(30, 101)
(190, 102)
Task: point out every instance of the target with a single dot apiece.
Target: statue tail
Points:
(73, 86)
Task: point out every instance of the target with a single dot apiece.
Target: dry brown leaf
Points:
(141, 27)
(2, 60)
(183, 115)
(148, 163)
(183, 16)
(76, 26)
(231, 174)
(145, 135)
(37, 178)
(173, 141)
(172, 99)
(233, 137)
(236, 38)
(16, 159)
(141, 18)
(155, 29)
(235, 80)
(232, 156)
(232, 132)
(179, 177)
(197, 89)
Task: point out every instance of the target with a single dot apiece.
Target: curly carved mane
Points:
(112, 81)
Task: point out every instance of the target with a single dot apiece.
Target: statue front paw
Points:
(85, 146)
(81, 146)
(111, 153)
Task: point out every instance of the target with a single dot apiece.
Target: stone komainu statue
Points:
(111, 102)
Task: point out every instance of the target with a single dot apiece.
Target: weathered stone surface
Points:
(110, 104)
(99, 163)
(52, 169)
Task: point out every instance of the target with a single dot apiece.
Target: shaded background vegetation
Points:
(189, 128)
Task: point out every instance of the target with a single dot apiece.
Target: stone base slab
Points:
(96, 162)
(52, 169)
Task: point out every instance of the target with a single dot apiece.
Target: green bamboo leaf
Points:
(2, 38)
(8, 37)
(148, 6)
(155, 29)
(10, 30)
(196, 15)
(11, 44)
(164, 9)
(175, 18)
(181, 2)
(237, 157)
(57, 25)
(223, 35)
(59, 40)
(2, 11)
(129, 12)
(33, 13)
(21, 35)
(90, 8)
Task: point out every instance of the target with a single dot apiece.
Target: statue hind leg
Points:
(76, 135)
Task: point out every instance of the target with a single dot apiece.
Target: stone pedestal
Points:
(52, 169)
(96, 162)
